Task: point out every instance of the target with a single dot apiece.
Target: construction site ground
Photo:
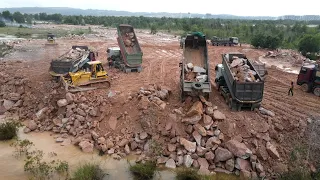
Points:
(161, 57)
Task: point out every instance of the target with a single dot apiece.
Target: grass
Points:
(8, 130)
(295, 175)
(143, 171)
(40, 33)
(88, 171)
(191, 174)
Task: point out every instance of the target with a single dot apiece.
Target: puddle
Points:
(11, 168)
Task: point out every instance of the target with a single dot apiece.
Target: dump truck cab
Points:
(309, 78)
(234, 40)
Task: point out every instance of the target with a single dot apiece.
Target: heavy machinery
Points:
(309, 78)
(51, 39)
(231, 41)
(89, 77)
(239, 82)
(261, 69)
(71, 61)
(182, 42)
(130, 49)
(115, 57)
(194, 76)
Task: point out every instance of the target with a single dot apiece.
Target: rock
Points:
(207, 120)
(41, 113)
(188, 145)
(254, 176)
(93, 112)
(200, 129)
(218, 115)
(179, 161)
(14, 97)
(80, 118)
(171, 147)
(217, 132)
(259, 168)
(209, 155)
(127, 149)
(196, 109)
(187, 160)
(69, 97)
(64, 120)
(123, 142)
(192, 120)
(7, 104)
(195, 164)
(62, 102)
(238, 149)
(112, 122)
(66, 142)
(266, 112)
(209, 110)
(59, 140)
(133, 145)
(178, 111)
(162, 160)
(111, 151)
(170, 164)
(143, 103)
(168, 126)
(221, 170)
(18, 103)
(57, 122)
(230, 165)
(197, 137)
(242, 164)
(32, 125)
(26, 130)
(189, 129)
(222, 154)
(116, 156)
(204, 171)
(81, 112)
(203, 163)
(262, 153)
(245, 174)
(272, 151)
(280, 168)
(143, 135)
(212, 141)
(221, 136)
(86, 146)
(201, 151)
(101, 140)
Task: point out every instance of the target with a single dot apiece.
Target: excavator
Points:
(89, 77)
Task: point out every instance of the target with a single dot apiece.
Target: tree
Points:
(309, 44)
(7, 15)
(18, 17)
(2, 24)
(154, 29)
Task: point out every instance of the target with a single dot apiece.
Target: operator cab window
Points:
(303, 71)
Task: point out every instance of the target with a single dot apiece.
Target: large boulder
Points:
(238, 149)
(196, 109)
(222, 154)
(188, 145)
(8, 104)
(86, 146)
(170, 164)
(230, 165)
(187, 160)
(197, 137)
(200, 129)
(242, 164)
(192, 120)
(62, 102)
(218, 115)
(32, 125)
(14, 96)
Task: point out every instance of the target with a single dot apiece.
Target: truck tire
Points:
(305, 87)
(316, 91)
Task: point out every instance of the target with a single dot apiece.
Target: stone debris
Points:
(241, 71)
(271, 149)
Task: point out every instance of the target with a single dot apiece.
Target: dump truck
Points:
(239, 82)
(261, 69)
(129, 48)
(194, 76)
(71, 61)
(309, 78)
(115, 58)
(231, 41)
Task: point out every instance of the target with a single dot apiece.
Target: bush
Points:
(88, 171)
(143, 171)
(295, 175)
(21, 147)
(2, 24)
(187, 174)
(8, 130)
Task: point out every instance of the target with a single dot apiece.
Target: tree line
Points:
(270, 34)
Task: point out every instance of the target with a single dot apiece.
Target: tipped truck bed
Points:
(132, 55)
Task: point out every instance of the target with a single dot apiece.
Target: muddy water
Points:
(11, 168)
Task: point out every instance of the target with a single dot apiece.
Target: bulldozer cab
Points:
(50, 37)
(96, 69)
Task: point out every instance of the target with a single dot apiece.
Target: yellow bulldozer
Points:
(91, 76)
(51, 39)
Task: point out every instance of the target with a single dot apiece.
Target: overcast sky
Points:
(234, 7)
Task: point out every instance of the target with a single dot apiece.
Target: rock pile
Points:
(74, 37)
(291, 56)
(195, 73)
(241, 71)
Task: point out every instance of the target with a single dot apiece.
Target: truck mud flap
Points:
(128, 70)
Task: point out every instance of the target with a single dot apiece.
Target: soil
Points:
(161, 56)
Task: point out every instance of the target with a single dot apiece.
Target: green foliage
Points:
(154, 29)
(309, 43)
(8, 130)
(18, 17)
(43, 170)
(88, 171)
(187, 174)
(143, 171)
(295, 175)
(2, 24)
(7, 15)
(266, 41)
(21, 147)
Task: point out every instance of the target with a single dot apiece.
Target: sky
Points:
(234, 7)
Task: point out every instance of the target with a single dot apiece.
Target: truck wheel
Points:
(305, 87)
(316, 91)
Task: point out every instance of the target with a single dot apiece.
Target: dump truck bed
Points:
(70, 61)
(195, 79)
(242, 91)
(129, 46)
